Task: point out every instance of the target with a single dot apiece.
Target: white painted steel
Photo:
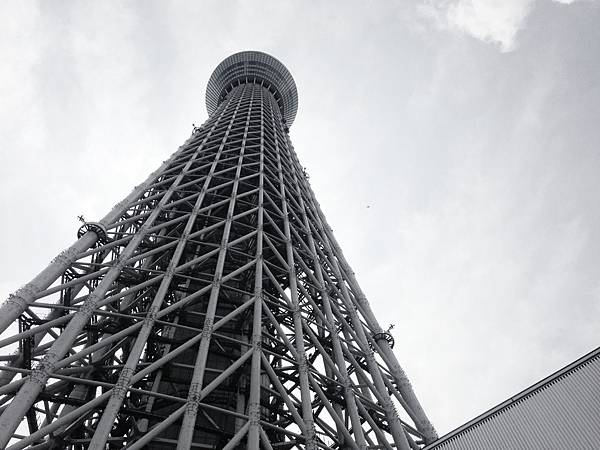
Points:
(218, 308)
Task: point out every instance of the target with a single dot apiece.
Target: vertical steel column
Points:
(393, 420)
(16, 303)
(415, 410)
(189, 418)
(31, 388)
(227, 235)
(330, 322)
(302, 362)
(114, 404)
(255, 378)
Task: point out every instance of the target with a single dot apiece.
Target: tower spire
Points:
(211, 308)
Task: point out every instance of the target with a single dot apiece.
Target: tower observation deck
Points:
(211, 308)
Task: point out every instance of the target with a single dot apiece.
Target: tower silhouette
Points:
(211, 309)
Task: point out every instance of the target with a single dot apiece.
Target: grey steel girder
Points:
(211, 308)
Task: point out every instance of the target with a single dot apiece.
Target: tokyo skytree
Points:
(211, 308)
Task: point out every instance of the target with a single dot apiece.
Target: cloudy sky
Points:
(453, 144)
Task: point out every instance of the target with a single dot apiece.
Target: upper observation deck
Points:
(251, 67)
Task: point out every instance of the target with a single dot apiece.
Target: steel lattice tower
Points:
(211, 309)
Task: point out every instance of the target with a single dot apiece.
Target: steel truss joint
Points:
(22, 297)
(95, 227)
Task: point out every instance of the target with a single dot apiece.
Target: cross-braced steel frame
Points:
(211, 308)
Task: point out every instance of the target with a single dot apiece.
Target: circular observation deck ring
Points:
(253, 66)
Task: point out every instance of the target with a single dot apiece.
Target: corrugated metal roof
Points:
(560, 412)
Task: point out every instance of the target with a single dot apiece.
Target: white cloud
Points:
(493, 21)
(480, 171)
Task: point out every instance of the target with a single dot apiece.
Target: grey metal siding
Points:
(561, 412)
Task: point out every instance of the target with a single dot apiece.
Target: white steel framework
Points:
(211, 308)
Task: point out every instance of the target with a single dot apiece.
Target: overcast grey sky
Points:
(453, 145)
